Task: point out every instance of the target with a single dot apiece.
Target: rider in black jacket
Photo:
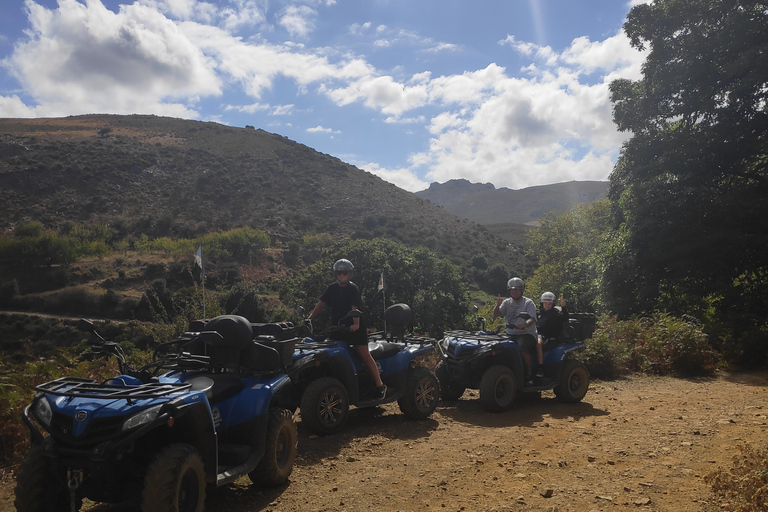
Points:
(550, 321)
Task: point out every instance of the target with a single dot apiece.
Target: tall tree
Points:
(691, 184)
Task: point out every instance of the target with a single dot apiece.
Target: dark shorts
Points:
(526, 342)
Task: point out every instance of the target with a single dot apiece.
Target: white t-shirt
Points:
(516, 311)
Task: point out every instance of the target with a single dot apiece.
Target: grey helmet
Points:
(343, 265)
(516, 282)
(548, 296)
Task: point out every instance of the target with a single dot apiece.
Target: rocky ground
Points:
(643, 444)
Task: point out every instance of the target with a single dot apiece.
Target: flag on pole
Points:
(199, 260)
(381, 286)
(199, 263)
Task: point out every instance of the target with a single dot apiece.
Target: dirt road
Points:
(638, 444)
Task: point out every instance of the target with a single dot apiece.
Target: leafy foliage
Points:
(690, 185)
(660, 344)
(571, 250)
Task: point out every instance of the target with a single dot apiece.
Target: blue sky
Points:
(509, 92)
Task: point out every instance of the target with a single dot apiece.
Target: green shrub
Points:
(607, 354)
(661, 344)
(672, 345)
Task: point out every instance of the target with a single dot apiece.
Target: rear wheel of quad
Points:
(279, 451)
(574, 382)
(36, 490)
(325, 406)
(450, 387)
(421, 395)
(175, 480)
(497, 388)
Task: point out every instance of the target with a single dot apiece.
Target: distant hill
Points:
(485, 204)
(159, 176)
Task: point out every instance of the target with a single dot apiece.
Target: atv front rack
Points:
(474, 336)
(74, 387)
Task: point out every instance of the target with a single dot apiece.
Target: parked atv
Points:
(328, 375)
(493, 364)
(159, 438)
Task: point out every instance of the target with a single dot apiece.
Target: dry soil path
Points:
(642, 443)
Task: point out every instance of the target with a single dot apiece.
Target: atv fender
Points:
(506, 354)
(193, 424)
(324, 364)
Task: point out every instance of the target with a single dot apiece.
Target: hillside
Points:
(485, 204)
(161, 176)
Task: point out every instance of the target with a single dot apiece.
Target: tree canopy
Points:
(690, 187)
(691, 183)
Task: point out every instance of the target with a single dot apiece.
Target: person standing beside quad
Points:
(549, 319)
(342, 297)
(519, 314)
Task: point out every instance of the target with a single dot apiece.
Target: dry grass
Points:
(743, 487)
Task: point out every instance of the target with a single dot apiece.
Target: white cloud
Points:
(12, 106)
(321, 129)
(85, 58)
(519, 132)
(298, 20)
(403, 178)
(232, 15)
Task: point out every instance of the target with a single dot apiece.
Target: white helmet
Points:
(548, 296)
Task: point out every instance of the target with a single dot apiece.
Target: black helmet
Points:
(516, 282)
(343, 265)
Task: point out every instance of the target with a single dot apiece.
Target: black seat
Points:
(383, 349)
(225, 338)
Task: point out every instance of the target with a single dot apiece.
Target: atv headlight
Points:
(43, 411)
(142, 418)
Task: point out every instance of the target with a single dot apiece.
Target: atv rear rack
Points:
(408, 339)
(73, 387)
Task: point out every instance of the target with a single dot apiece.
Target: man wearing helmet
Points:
(519, 314)
(549, 323)
(342, 297)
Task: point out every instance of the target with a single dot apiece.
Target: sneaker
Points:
(528, 381)
(539, 372)
(381, 392)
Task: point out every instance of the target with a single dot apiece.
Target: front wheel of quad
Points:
(325, 406)
(574, 382)
(498, 388)
(175, 480)
(450, 387)
(280, 450)
(421, 395)
(35, 488)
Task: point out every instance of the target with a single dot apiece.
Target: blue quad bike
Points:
(493, 364)
(207, 410)
(327, 375)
